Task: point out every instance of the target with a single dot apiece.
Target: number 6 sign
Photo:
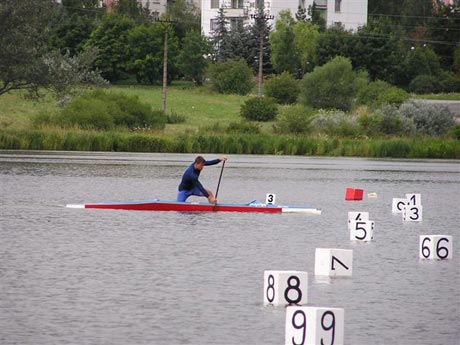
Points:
(314, 326)
(435, 247)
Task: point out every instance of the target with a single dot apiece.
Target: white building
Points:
(350, 13)
(154, 6)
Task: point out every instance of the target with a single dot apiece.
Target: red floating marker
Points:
(354, 194)
(358, 194)
(350, 194)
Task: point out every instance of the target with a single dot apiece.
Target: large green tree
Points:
(145, 51)
(332, 85)
(444, 33)
(219, 36)
(73, 23)
(24, 26)
(306, 37)
(111, 38)
(334, 41)
(192, 60)
(260, 27)
(187, 17)
(378, 48)
(26, 60)
(284, 56)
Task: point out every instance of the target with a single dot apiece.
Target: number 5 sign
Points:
(314, 326)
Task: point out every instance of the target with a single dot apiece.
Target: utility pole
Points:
(165, 24)
(261, 18)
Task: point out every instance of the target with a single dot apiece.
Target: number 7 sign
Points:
(333, 262)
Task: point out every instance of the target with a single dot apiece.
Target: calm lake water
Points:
(76, 276)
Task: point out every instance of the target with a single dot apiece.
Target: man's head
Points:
(199, 163)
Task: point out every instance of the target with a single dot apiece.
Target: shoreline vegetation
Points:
(204, 128)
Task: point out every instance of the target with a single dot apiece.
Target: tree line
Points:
(411, 44)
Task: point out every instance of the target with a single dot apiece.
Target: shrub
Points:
(335, 123)
(331, 86)
(421, 61)
(393, 95)
(380, 92)
(425, 84)
(294, 119)
(100, 110)
(175, 118)
(284, 88)
(368, 122)
(243, 127)
(87, 113)
(454, 132)
(392, 122)
(430, 119)
(231, 76)
(259, 109)
(449, 82)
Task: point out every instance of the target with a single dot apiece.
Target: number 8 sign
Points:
(285, 287)
(314, 326)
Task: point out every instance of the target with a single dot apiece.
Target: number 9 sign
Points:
(314, 325)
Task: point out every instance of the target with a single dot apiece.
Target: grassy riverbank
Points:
(206, 116)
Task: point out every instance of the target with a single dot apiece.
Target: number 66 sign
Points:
(314, 326)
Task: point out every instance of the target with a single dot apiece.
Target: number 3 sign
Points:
(314, 326)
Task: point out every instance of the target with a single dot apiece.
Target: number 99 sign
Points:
(314, 326)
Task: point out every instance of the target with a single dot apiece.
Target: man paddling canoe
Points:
(190, 185)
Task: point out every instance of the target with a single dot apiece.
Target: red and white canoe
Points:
(162, 205)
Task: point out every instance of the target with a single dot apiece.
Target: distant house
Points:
(351, 13)
(157, 7)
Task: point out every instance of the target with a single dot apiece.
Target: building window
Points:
(338, 4)
(213, 24)
(236, 23)
(214, 3)
(237, 3)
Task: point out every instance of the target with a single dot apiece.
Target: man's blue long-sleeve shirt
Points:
(191, 175)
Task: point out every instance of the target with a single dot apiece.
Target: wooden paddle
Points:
(220, 178)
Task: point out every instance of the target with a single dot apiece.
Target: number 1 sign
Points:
(314, 326)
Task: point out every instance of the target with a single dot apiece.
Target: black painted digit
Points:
(358, 216)
(330, 327)
(340, 262)
(270, 198)
(425, 249)
(358, 227)
(293, 287)
(439, 249)
(413, 199)
(271, 287)
(414, 213)
(302, 326)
